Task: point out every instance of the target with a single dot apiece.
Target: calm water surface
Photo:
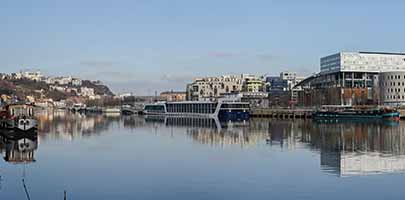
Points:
(114, 157)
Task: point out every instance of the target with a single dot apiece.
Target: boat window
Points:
(157, 108)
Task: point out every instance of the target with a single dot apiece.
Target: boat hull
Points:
(20, 125)
(233, 115)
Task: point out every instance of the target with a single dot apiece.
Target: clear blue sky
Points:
(148, 45)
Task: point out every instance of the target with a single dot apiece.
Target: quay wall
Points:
(281, 113)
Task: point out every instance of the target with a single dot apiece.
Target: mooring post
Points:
(64, 195)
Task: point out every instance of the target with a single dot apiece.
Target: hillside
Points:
(98, 88)
(25, 87)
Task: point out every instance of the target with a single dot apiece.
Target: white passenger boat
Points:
(224, 110)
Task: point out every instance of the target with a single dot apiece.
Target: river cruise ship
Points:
(223, 110)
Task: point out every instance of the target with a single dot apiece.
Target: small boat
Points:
(349, 112)
(78, 107)
(18, 117)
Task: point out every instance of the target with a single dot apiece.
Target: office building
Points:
(350, 78)
(392, 88)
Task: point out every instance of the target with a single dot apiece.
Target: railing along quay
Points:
(280, 113)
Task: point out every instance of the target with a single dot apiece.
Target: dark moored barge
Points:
(349, 112)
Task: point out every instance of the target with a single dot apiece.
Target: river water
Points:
(131, 157)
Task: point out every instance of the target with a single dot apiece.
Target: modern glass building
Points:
(371, 62)
(358, 69)
(352, 77)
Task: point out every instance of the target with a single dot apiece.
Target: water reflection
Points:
(18, 149)
(68, 126)
(355, 148)
(345, 148)
(208, 131)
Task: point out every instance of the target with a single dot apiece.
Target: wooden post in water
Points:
(64, 195)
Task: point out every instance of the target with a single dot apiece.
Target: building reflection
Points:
(348, 148)
(68, 126)
(345, 148)
(18, 149)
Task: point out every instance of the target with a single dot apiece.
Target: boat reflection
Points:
(209, 131)
(346, 148)
(18, 149)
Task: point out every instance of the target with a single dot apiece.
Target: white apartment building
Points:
(3, 76)
(31, 75)
(292, 79)
(211, 88)
(65, 80)
(57, 88)
(288, 75)
(87, 92)
(76, 82)
(252, 83)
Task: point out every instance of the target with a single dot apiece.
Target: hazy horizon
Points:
(146, 46)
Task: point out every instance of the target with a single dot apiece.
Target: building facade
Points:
(174, 96)
(86, 92)
(392, 88)
(252, 83)
(211, 88)
(31, 75)
(351, 78)
(282, 90)
(371, 62)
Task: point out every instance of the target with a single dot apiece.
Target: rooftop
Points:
(384, 53)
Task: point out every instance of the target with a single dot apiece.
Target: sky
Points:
(143, 46)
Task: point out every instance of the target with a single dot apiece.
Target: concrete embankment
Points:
(281, 113)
